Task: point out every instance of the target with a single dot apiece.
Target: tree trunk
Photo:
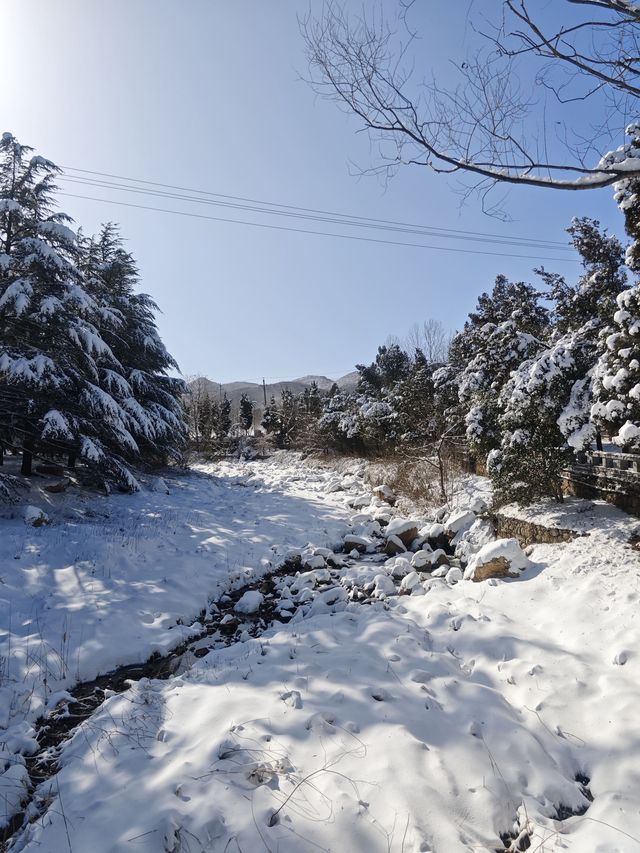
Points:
(598, 440)
(71, 461)
(1, 454)
(27, 457)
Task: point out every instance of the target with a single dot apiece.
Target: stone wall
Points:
(529, 533)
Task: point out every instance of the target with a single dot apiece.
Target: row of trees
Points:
(83, 371)
(537, 374)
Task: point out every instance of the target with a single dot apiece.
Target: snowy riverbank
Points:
(427, 722)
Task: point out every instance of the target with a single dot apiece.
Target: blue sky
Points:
(207, 94)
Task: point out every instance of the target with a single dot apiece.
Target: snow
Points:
(250, 602)
(431, 720)
(508, 549)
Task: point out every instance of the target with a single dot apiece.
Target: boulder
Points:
(250, 602)
(503, 558)
(453, 575)
(383, 586)
(459, 520)
(404, 529)
(409, 582)
(401, 567)
(313, 561)
(357, 543)
(59, 486)
(384, 493)
(35, 517)
(421, 559)
(359, 501)
(394, 546)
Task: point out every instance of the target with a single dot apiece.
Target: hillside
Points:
(234, 390)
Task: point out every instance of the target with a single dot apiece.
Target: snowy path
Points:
(430, 722)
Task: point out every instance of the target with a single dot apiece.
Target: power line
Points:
(314, 232)
(426, 232)
(282, 209)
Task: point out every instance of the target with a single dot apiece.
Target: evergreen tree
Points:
(546, 401)
(224, 421)
(246, 413)
(271, 417)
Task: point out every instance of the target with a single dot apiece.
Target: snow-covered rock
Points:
(421, 559)
(500, 559)
(409, 582)
(356, 543)
(459, 520)
(250, 602)
(385, 493)
(472, 540)
(383, 585)
(313, 561)
(453, 575)
(35, 517)
(394, 545)
(405, 529)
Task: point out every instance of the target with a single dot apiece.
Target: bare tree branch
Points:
(497, 124)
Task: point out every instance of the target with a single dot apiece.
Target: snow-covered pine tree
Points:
(150, 398)
(50, 345)
(224, 420)
(545, 403)
(246, 413)
(616, 407)
(271, 417)
(500, 348)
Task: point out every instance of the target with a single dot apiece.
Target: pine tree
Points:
(224, 421)
(246, 413)
(271, 417)
(52, 349)
(545, 404)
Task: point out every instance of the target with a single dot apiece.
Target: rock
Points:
(334, 486)
(473, 539)
(421, 559)
(404, 529)
(336, 560)
(439, 558)
(440, 572)
(383, 585)
(60, 486)
(394, 546)
(382, 516)
(384, 493)
(313, 561)
(432, 531)
(500, 559)
(250, 602)
(401, 567)
(409, 582)
(453, 575)
(457, 521)
(356, 543)
(359, 501)
(35, 517)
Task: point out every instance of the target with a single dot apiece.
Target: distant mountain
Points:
(255, 392)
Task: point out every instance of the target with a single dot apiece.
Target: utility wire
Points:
(425, 231)
(316, 233)
(280, 209)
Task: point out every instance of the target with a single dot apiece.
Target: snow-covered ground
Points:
(434, 721)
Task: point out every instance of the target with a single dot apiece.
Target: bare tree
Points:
(432, 338)
(534, 105)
